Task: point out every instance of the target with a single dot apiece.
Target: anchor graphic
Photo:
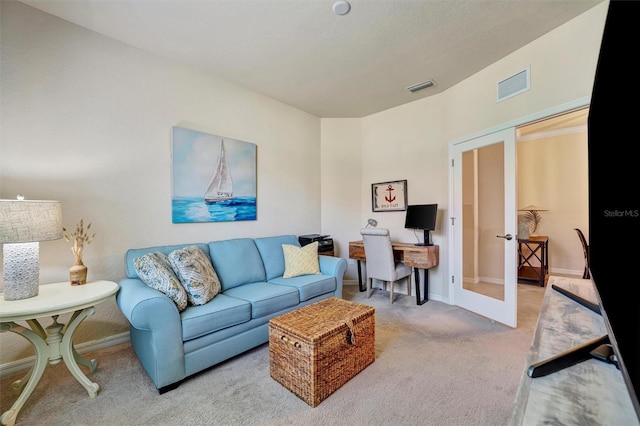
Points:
(390, 198)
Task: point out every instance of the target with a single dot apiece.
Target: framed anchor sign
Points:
(389, 196)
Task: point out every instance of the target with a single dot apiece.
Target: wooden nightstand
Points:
(533, 259)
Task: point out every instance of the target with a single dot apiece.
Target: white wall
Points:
(411, 141)
(341, 171)
(87, 120)
(555, 176)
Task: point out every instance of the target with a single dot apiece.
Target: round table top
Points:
(56, 299)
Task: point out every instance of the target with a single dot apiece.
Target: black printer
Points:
(325, 244)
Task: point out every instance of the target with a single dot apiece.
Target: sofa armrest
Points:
(143, 306)
(156, 333)
(336, 267)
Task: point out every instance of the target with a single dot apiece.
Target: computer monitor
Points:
(422, 216)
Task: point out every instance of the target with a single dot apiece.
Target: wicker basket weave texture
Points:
(315, 350)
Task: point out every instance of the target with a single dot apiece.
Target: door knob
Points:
(506, 237)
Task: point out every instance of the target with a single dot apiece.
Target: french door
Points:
(484, 225)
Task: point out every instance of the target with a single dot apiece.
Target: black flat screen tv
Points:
(614, 204)
(422, 216)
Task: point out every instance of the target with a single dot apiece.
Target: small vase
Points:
(78, 273)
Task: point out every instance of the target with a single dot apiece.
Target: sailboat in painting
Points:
(221, 185)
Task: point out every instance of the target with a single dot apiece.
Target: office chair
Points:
(585, 249)
(380, 262)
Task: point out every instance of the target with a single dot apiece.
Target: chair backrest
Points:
(583, 240)
(379, 253)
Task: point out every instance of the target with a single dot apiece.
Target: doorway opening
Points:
(551, 171)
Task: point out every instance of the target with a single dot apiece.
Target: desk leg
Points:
(34, 375)
(361, 285)
(416, 273)
(420, 301)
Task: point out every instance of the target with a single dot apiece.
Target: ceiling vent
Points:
(514, 85)
(420, 86)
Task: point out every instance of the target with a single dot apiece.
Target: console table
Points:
(588, 393)
(413, 256)
(55, 342)
(533, 259)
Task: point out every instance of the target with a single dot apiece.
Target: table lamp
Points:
(532, 217)
(23, 224)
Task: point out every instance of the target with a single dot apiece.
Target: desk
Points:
(55, 342)
(530, 249)
(413, 256)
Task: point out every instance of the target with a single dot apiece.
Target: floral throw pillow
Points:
(194, 269)
(300, 260)
(155, 271)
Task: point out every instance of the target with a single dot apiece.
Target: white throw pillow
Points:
(195, 271)
(155, 271)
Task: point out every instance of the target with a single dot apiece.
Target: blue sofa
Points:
(172, 345)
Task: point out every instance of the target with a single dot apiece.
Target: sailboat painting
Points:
(214, 178)
(221, 186)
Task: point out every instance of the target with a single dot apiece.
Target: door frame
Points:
(454, 251)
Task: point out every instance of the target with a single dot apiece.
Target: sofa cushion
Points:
(155, 271)
(309, 286)
(196, 274)
(300, 260)
(271, 251)
(132, 254)
(265, 298)
(220, 313)
(237, 262)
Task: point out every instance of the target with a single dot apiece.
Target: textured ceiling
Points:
(301, 53)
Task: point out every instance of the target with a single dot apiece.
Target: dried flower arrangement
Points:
(79, 238)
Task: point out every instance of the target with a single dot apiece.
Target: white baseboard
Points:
(82, 348)
(558, 271)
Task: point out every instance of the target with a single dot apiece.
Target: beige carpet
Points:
(435, 365)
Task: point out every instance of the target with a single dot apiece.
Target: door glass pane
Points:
(483, 220)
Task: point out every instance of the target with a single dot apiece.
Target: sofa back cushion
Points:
(272, 255)
(132, 254)
(237, 262)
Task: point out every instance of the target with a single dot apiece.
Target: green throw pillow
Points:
(300, 260)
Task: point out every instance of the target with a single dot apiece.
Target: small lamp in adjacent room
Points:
(371, 222)
(23, 224)
(532, 217)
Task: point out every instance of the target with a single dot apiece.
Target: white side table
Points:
(55, 342)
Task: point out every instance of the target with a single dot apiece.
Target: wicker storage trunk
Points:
(318, 348)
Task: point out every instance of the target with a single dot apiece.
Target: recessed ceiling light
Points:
(341, 7)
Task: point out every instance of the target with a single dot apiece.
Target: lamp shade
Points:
(24, 221)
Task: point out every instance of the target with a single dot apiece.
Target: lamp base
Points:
(21, 263)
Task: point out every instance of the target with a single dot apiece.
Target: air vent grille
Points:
(514, 85)
(420, 86)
